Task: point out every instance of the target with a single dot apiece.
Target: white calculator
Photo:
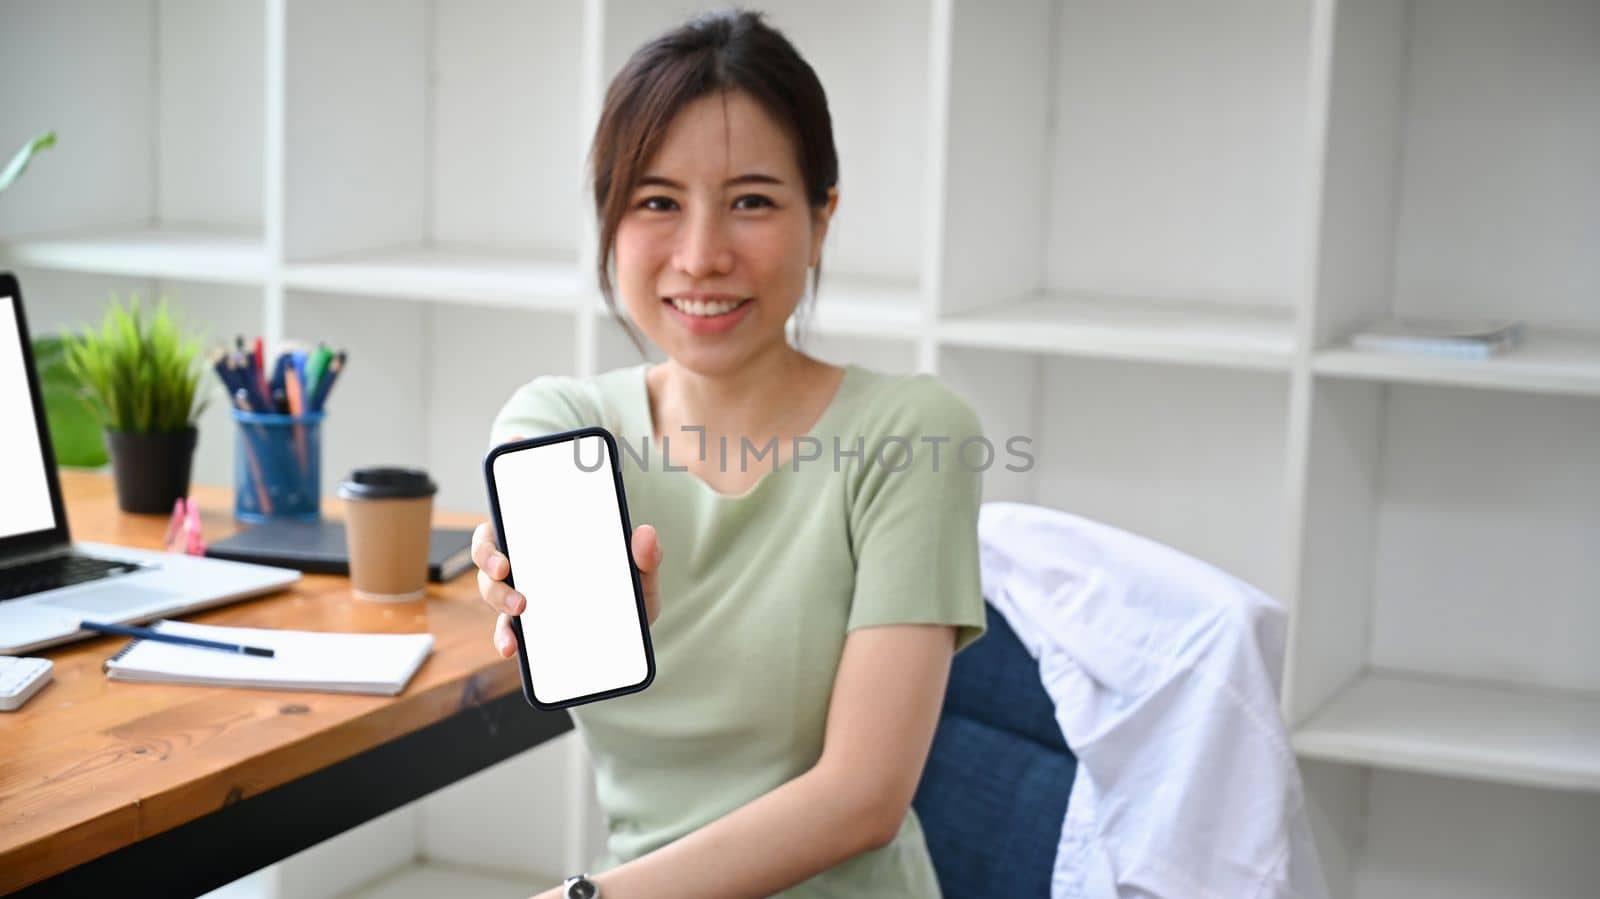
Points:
(20, 679)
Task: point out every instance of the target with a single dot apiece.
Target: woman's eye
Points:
(753, 201)
(658, 204)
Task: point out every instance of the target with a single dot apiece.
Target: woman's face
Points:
(713, 250)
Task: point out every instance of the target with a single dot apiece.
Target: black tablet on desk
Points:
(318, 547)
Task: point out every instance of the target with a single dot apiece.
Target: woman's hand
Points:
(493, 568)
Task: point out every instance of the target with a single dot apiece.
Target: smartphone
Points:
(561, 518)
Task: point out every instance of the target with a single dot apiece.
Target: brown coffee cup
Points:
(388, 521)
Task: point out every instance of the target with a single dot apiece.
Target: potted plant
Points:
(141, 377)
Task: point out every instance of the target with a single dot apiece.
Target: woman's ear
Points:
(820, 217)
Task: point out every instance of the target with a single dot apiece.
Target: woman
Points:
(819, 532)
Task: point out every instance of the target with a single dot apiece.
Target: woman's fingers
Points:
(500, 596)
(493, 567)
(485, 554)
(505, 642)
(492, 570)
(647, 556)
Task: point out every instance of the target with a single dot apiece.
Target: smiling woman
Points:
(717, 236)
(746, 127)
(804, 610)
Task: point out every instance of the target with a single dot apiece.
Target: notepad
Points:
(1456, 338)
(336, 663)
(318, 547)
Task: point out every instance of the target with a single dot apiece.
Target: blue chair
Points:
(995, 789)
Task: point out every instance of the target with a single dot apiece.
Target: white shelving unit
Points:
(1129, 328)
(1545, 362)
(216, 255)
(1136, 234)
(470, 276)
(1447, 512)
(1466, 730)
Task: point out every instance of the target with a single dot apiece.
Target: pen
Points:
(325, 384)
(259, 354)
(316, 367)
(298, 358)
(222, 362)
(147, 634)
(279, 392)
(259, 399)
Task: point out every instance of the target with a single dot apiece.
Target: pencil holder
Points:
(277, 466)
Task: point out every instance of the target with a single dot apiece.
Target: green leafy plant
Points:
(19, 162)
(140, 373)
(73, 429)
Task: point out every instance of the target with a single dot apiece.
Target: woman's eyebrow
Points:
(747, 178)
(753, 178)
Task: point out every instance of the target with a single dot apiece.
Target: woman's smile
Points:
(704, 313)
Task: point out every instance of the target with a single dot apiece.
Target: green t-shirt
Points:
(759, 590)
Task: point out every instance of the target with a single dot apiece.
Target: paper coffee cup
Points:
(388, 521)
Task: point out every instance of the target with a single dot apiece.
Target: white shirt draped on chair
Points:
(1164, 673)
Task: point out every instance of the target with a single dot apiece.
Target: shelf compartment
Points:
(1547, 361)
(1222, 336)
(186, 253)
(451, 274)
(470, 126)
(1460, 729)
(160, 112)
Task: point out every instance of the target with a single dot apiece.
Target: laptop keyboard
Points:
(59, 571)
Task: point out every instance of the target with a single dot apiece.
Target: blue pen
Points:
(280, 392)
(299, 357)
(228, 371)
(251, 382)
(147, 634)
(220, 362)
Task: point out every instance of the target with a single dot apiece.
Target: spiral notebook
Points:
(305, 660)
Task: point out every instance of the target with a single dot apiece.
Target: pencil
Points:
(263, 497)
(292, 385)
(142, 633)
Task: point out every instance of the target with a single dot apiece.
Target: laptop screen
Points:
(24, 479)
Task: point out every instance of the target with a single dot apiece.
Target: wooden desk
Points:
(156, 790)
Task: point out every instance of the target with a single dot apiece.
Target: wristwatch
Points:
(579, 886)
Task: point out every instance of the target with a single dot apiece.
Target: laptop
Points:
(48, 584)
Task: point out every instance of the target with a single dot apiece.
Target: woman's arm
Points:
(885, 706)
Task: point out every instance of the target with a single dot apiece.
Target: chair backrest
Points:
(995, 789)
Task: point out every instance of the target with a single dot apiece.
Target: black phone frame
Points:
(627, 546)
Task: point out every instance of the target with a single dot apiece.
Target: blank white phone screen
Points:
(569, 557)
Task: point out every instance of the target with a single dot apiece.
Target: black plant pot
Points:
(152, 470)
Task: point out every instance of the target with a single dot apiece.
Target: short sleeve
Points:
(914, 512)
(548, 404)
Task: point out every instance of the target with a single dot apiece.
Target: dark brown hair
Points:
(719, 51)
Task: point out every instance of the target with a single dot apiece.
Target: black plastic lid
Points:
(387, 483)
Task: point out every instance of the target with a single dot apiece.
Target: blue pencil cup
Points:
(277, 466)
